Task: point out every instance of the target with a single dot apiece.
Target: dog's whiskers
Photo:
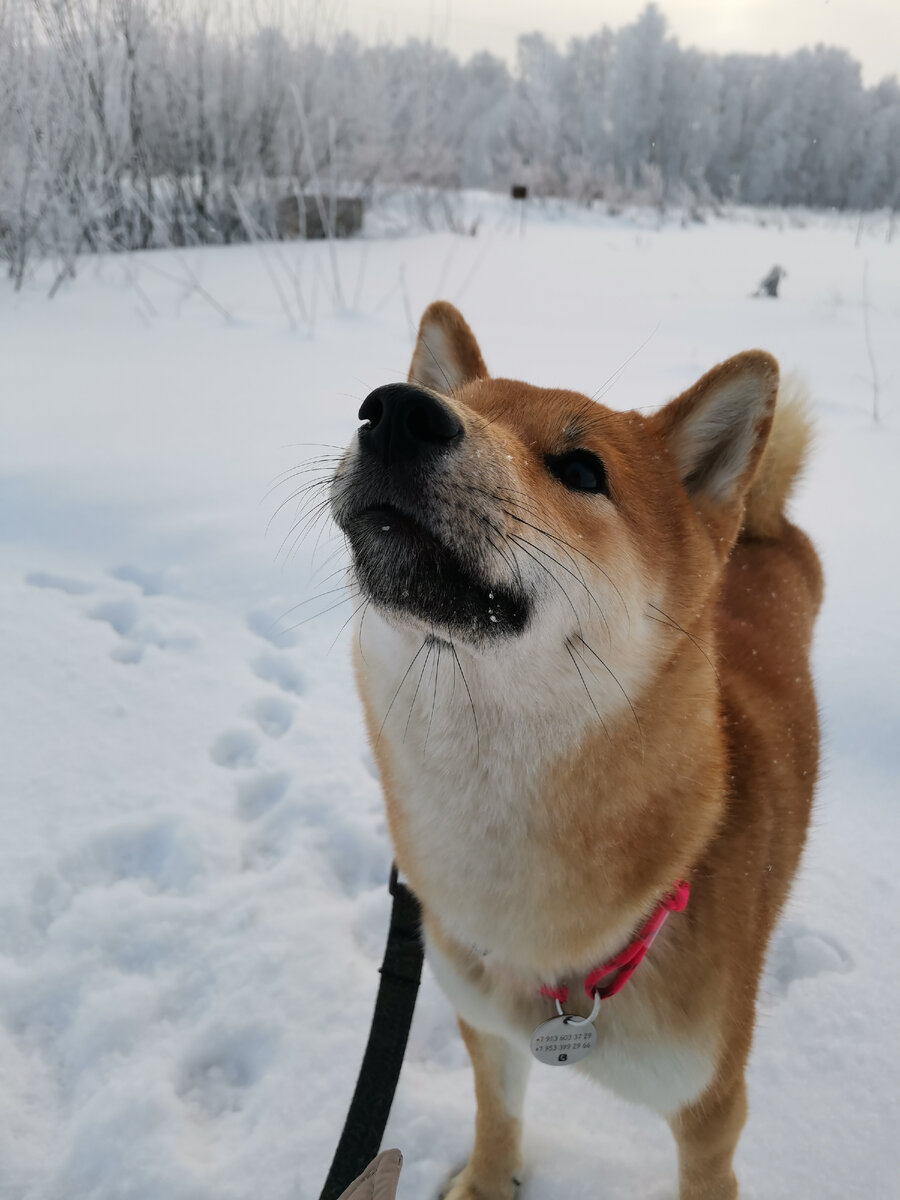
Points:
(618, 684)
(579, 578)
(365, 604)
(311, 600)
(587, 690)
(523, 543)
(471, 701)
(437, 667)
(304, 525)
(308, 490)
(412, 703)
(399, 686)
(297, 624)
(506, 496)
(664, 618)
(323, 462)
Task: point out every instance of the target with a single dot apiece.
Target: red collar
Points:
(627, 961)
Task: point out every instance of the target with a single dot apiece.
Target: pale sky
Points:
(869, 29)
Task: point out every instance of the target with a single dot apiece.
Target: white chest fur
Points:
(470, 747)
(634, 1057)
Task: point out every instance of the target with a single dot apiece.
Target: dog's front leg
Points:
(501, 1072)
(707, 1134)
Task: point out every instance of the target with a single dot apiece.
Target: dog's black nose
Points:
(404, 424)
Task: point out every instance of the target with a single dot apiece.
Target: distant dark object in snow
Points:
(769, 285)
(318, 216)
(519, 191)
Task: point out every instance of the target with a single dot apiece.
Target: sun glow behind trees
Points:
(148, 122)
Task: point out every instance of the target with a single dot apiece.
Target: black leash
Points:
(380, 1070)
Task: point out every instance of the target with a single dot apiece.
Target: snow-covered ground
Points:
(192, 899)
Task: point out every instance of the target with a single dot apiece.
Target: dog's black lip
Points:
(385, 508)
(430, 579)
(389, 514)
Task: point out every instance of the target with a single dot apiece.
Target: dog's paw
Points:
(464, 1186)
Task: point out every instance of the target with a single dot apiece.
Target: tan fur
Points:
(497, 1161)
(538, 849)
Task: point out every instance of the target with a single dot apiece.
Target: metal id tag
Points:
(563, 1040)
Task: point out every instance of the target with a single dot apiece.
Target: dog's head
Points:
(503, 517)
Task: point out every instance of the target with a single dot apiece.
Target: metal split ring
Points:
(572, 1019)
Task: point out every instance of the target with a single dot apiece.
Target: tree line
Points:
(138, 123)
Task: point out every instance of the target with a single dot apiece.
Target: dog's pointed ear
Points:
(716, 431)
(446, 354)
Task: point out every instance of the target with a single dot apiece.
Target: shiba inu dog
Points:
(584, 667)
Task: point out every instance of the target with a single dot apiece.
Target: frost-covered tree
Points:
(635, 94)
(129, 123)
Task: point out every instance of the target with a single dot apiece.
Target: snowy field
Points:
(192, 883)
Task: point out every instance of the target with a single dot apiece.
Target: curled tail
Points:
(782, 461)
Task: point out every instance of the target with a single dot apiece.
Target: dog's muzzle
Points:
(412, 504)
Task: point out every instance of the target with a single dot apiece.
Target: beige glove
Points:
(379, 1180)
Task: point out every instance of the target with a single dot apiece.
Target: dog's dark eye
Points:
(579, 470)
